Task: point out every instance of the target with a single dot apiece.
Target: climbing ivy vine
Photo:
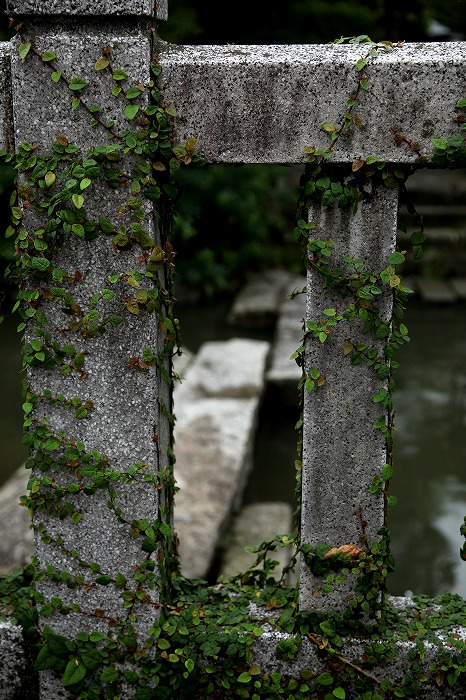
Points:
(202, 643)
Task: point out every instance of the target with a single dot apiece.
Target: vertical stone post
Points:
(342, 451)
(113, 416)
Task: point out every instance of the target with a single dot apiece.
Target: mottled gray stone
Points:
(16, 678)
(342, 451)
(126, 414)
(353, 651)
(264, 104)
(139, 8)
(6, 114)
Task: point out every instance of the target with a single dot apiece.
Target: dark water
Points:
(430, 439)
(430, 453)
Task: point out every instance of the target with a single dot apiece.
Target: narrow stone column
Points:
(93, 548)
(342, 451)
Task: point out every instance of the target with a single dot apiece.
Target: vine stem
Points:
(315, 640)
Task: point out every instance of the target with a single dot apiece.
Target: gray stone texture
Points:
(138, 8)
(264, 104)
(353, 651)
(6, 116)
(126, 413)
(342, 452)
(15, 666)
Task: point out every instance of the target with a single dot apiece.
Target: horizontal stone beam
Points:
(264, 104)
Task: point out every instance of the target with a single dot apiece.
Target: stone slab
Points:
(16, 536)
(394, 669)
(256, 523)
(234, 369)
(436, 291)
(240, 101)
(214, 434)
(288, 337)
(459, 286)
(257, 303)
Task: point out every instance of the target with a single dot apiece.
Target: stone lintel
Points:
(342, 451)
(265, 104)
(139, 8)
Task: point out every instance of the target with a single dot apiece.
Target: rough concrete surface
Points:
(342, 452)
(264, 104)
(142, 8)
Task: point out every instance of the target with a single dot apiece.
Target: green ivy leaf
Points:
(133, 92)
(48, 56)
(120, 74)
(56, 75)
(106, 226)
(396, 258)
(101, 63)
(92, 659)
(50, 178)
(78, 200)
(77, 84)
(325, 679)
(51, 444)
(24, 49)
(245, 677)
(85, 182)
(46, 660)
(387, 472)
(109, 675)
(75, 671)
(131, 111)
(120, 580)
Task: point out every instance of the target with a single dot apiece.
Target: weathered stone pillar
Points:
(117, 418)
(342, 451)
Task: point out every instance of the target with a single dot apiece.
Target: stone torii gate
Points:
(244, 104)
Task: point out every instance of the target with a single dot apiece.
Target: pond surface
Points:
(429, 440)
